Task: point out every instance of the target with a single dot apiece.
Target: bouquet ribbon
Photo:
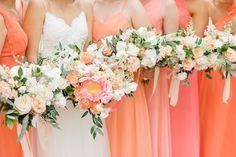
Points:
(25, 143)
(226, 92)
(155, 81)
(174, 91)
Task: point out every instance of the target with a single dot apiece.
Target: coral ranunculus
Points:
(86, 103)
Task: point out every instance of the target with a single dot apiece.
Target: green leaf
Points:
(20, 72)
(9, 123)
(25, 123)
(208, 76)
(85, 114)
(93, 129)
(94, 135)
(100, 131)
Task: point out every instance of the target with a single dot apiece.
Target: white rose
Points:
(23, 104)
(212, 58)
(132, 50)
(202, 63)
(125, 35)
(180, 52)
(149, 58)
(51, 72)
(60, 100)
(182, 76)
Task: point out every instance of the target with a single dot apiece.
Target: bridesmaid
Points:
(218, 120)
(128, 127)
(158, 104)
(13, 41)
(185, 125)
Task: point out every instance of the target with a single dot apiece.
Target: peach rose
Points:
(86, 57)
(210, 44)
(86, 104)
(107, 52)
(197, 52)
(39, 105)
(188, 64)
(167, 50)
(230, 55)
(73, 78)
(94, 109)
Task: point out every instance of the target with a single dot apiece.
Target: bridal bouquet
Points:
(93, 84)
(29, 92)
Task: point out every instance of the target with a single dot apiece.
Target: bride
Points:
(47, 23)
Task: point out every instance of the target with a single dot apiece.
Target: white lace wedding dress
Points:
(74, 138)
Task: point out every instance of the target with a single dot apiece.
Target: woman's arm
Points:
(3, 32)
(138, 15)
(88, 9)
(200, 15)
(33, 26)
(170, 16)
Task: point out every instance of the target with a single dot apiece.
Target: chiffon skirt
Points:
(218, 120)
(185, 121)
(159, 115)
(9, 145)
(128, 127)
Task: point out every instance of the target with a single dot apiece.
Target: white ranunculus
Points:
(60, 100)
(218, 44)
(22, 89)
(121, 55)
(105, 113)
(182, 76)
(153, 40)
(130, 87)
(149, 58)
(132, 49)
(23, 104)
(142, 32)
(121, 46)
(51, 72)
(92, 48)
(118, 94)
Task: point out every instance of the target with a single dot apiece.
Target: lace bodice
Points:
(56, 31)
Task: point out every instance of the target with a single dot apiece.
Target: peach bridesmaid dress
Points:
(218, 120)
(185, 116)
(128, 126)
(158, 103)
(15, 44)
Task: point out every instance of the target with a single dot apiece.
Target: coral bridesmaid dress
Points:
(128, 127)
(185, 116)
(15, 44)
(158, 103)
(218, 120)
